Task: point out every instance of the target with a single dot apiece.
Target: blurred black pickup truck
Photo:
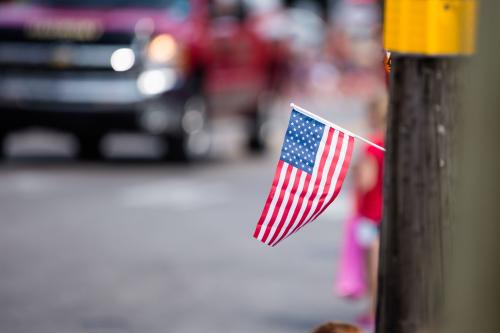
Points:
(154, 66)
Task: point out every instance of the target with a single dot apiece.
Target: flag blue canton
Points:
(302, 139)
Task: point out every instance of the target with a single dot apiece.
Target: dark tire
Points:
(256, 139)
(3, 152)
(89, 147)
(256, 145)
(188, 147)
(194, 140)
(176, 149)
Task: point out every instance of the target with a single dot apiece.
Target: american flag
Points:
(313, 163)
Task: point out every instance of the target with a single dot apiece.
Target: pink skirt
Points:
(350, 279)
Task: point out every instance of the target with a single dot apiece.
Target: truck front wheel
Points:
(194, 139)
(188, 147)
(256, 136)
(89, 147)
(3, 152)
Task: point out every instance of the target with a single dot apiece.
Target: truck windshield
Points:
(177, 5)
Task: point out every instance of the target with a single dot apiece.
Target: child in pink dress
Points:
(359, 261)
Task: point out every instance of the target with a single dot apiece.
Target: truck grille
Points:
(17, 51)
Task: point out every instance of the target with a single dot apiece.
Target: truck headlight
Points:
(162, 49)
(156, 81)
(122, 59)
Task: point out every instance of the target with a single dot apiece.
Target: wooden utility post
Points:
(428, 40)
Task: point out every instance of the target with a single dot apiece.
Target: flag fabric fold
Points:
(313, 163)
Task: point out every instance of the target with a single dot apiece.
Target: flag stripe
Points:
(270, 198)
(344, 146)
(265, 217)
(275, 207)
(290, 210)
(343, 172)
(332, 175)
(325, 181)
(278, 212)
(296, 210)
(331, 179)
(283, 215)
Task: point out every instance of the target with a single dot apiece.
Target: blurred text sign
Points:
(430, 27)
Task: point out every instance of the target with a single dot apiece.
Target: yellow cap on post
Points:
(430, 27)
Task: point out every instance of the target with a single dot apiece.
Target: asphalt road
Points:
(134, 245)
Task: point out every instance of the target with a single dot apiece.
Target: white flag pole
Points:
(318, 118)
